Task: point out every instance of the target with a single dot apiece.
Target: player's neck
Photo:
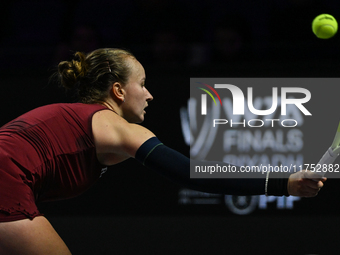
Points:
(112, 105)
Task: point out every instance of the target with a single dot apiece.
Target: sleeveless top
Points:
(51, 149)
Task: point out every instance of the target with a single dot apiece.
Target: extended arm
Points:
(117, 140)
(176, 167)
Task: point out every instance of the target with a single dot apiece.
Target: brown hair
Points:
(92, 74)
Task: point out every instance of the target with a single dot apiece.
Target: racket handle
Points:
(328, 158)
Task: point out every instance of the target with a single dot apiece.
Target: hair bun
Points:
(71, 72)
(91, 75)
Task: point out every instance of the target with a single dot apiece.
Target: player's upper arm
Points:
(114, 135)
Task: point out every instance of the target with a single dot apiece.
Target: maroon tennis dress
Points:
(46, 154)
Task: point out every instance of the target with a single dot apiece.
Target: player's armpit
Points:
(113, 135)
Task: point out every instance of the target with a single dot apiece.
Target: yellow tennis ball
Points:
(324, 26)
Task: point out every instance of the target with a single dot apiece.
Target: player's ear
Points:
(118, 91)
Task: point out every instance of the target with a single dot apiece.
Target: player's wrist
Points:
(277, 184)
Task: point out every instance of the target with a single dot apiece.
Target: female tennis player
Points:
(58, 151)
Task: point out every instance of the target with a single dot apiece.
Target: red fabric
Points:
(46, 154)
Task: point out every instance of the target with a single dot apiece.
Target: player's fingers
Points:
(301, 184)
(320, 184)
(312, 175)
(311, 184)
(310, 192)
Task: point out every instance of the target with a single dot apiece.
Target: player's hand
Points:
(305, 184)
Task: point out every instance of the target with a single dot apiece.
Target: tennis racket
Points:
(330, 155)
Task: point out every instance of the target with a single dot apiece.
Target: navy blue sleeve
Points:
(176, 167)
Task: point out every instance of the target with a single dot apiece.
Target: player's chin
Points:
(142, 115)
(139, 119)
(135, 119)
(142, 118)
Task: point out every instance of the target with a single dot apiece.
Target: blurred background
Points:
(133, 210)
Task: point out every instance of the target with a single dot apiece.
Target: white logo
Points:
(239, 102)
(103, 171)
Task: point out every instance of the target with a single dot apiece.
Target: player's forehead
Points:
(137, 71)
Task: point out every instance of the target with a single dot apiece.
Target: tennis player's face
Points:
(136, 96)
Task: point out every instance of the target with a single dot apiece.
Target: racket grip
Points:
(328, 158)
